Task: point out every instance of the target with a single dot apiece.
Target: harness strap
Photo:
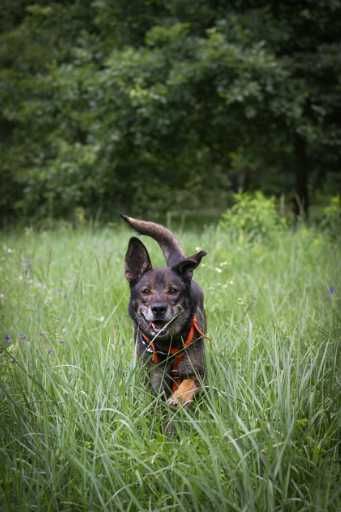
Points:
(178, 353)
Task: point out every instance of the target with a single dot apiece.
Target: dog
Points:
(167, 308)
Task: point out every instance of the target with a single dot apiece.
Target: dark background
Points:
(162, 106)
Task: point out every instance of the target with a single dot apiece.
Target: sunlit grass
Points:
(80, 431)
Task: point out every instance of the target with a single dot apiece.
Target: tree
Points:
(192, 100)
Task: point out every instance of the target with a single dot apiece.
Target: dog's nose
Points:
(159, 309)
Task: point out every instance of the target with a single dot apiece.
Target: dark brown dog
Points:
(167, 308)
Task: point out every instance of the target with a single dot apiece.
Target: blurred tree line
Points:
(154, 105)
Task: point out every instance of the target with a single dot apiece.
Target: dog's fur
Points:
(163, 303)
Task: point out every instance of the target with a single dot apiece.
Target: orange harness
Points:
(176, 352)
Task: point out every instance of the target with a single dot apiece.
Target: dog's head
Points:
(161, 301)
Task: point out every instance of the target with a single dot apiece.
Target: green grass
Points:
(80, 432)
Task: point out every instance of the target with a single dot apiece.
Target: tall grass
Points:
(79, 430)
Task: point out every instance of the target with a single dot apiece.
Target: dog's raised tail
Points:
(168, 243)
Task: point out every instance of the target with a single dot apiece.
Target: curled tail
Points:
(168, 243)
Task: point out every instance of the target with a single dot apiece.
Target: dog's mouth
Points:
(158, 325)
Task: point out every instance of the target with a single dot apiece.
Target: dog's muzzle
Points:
(158, 318)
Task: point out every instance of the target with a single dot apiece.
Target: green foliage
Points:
(252, 217)
(331, 217)
(105, 104)
(79, 430)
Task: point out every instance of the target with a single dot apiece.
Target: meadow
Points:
(81, 432)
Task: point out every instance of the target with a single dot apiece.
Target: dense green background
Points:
(162, 105)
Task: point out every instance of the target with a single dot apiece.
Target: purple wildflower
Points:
(331, 291)
(8, 338)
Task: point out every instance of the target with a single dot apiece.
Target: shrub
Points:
(253, 216)
(331, 217)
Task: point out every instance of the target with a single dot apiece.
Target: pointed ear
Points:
(137, 260)
(185, 267)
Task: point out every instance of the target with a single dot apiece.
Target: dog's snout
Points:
(159, 309)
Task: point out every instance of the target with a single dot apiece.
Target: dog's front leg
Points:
(184, 394)
(158, 381)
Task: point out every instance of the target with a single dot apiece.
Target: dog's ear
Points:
(137, 260)
(185, 267)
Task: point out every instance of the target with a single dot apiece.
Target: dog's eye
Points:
(172, 290)
(146, 291)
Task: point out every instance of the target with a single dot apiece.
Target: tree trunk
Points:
(302, 200)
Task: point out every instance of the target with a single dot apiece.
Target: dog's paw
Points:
(184, 395)
(178, 401)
